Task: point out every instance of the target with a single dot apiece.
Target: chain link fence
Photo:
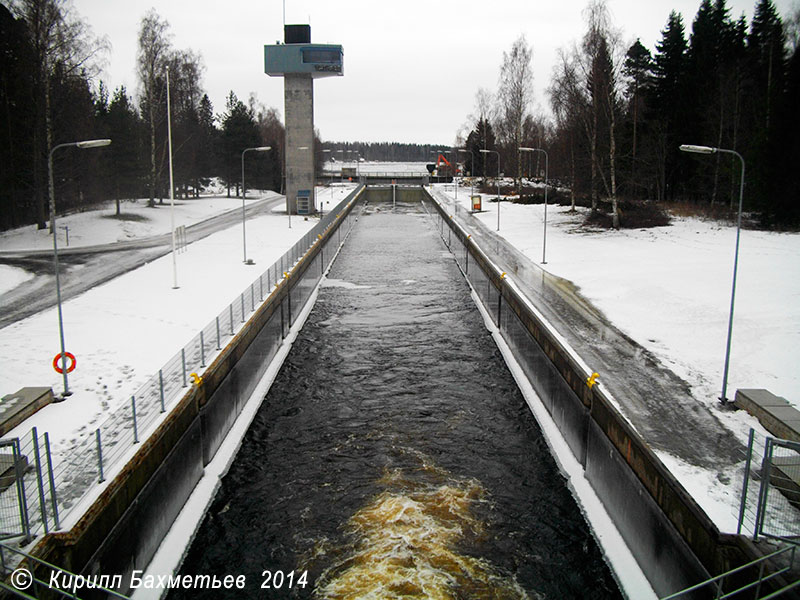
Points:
(51, 482)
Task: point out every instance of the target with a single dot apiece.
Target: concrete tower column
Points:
(299, 107)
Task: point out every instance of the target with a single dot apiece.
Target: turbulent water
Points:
(394, 456)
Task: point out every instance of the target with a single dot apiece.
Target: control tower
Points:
(299, 62)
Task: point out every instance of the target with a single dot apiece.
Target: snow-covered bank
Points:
(669, 288)
(123, 331)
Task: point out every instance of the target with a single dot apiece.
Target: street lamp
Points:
(82, 144)
(244, 193)
(498, 183)
(710, 150)
(546, 168)
(472, 171)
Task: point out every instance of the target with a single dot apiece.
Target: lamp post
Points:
(82, 145)
(710, 150)
(171, 190)
(244, 194)
(454, 167)
(498, 183)
(472, 171)
(546, 168)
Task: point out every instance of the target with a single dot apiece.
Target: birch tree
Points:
(152, 58)
(515, 93)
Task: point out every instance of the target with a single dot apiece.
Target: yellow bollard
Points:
(592, 380)
(196, 379)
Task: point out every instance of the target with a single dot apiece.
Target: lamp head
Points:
(697, 149)
(93, 143)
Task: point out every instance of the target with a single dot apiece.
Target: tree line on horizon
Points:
(621, 113)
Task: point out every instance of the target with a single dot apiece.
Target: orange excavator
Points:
(442, 168)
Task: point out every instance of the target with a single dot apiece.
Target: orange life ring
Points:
(70, 367)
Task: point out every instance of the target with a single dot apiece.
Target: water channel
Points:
(394, 456)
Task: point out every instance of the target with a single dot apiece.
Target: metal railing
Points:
(754, 586)
(21, 576)
(770, 491)
(57, 477)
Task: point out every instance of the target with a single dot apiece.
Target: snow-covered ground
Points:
(125, 330)
(667, 287)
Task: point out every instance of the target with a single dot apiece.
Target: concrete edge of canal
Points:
(124, 527)
(673, 540)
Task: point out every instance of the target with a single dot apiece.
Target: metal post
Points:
(746, 480)
(498, 183)
(546, 185)
(171, 191)
(219, 347)
(230, 309)
(161, 387)
(56, 520)
(261, 288)
(135, 427)
(202, 350)
(40, 483)
(252, 299)
(710, 150)
(241, 297)
(100, 455)
(54, 229)
(724, 398)
(183, 366)
(21, 496)
(766, 463)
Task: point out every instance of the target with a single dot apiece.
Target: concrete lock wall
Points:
(673, 540)
(124, 527)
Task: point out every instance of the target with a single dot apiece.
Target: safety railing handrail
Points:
(23, 578)
(757, 583)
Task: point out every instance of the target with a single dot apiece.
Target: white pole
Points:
(171, 193)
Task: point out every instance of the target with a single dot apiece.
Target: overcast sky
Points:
(411, 68)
